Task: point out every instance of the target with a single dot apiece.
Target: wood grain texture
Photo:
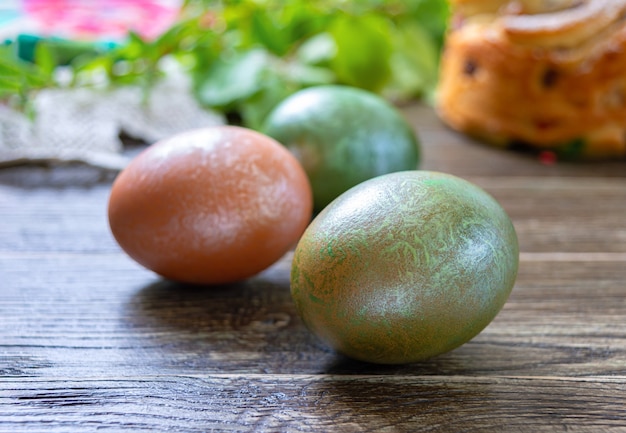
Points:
(566, 318)
(90, 341)
(550, 214)
(301, 403)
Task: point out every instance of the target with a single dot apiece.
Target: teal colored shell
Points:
(404, 267)
(343, 136)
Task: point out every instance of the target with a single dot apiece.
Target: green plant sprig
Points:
(245, 56)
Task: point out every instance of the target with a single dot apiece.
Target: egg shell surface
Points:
(210, 206)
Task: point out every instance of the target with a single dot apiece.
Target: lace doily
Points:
(84, 124)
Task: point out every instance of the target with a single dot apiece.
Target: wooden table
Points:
(91, 341)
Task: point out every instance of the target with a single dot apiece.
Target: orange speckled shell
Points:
(210, 206)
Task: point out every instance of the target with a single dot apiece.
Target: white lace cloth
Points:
(84, 124)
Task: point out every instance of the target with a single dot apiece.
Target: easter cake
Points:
(541, 74)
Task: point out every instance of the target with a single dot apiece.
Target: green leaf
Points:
(89, 65)
(255, 109)
(231, 80)
(430, 15)
(571, 150)
(10, 69)
(306, 75)
(135, 48)
(46, 60)
(414, 62)
(10, 64)
(9, 85)
(269, 33)
(363, 51)
(174, 39)
(319, 49)
(26, 73)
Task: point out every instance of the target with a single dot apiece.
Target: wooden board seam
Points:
(327, 377)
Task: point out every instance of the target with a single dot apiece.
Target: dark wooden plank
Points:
(71, 219)
(563, 214)
(79, 315)
(550, 214)
(269, 403)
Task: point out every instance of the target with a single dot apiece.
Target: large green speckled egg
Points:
(404, 267)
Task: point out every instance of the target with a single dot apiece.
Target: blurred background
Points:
(242, 57)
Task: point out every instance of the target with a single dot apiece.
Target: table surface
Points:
(90, 340)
